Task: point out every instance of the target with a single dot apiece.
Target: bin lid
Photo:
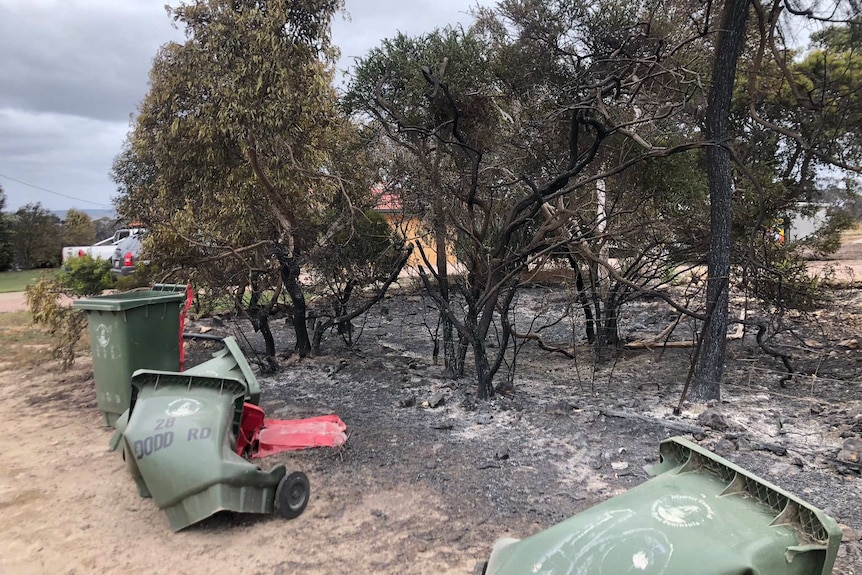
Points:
(700, 513)
(127, 300)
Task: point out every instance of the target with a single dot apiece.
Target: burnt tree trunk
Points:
(710, 367)
(583, 300)
(290, 268)
(452, 361)
(259, 316)
(345, 327)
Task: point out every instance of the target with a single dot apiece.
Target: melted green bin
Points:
(130, 331)
(699, 514)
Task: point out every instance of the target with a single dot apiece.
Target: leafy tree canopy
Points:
(78, 229)
(38, 237)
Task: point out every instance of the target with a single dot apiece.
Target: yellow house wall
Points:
(412, 231)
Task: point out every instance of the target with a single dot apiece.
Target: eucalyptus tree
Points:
(240, 161)
(423, 170)
(78, 228)
(799, 117)
(37, 237)
(515, 125)
(636, 71)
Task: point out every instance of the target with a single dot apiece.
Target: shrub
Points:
(84, 276)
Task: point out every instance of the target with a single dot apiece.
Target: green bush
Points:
(143, 276)
(785, 283)
(83, 276)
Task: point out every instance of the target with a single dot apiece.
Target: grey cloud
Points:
(88, 59)
(70, 155)
(74, 71)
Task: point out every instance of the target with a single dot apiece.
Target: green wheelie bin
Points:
(130, 331)
(699, 514)
(179, 440)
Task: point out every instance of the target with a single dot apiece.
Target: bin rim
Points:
(139, 379)
(127, 300)
(669, 461)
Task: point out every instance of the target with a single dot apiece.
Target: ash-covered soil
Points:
(571, 434)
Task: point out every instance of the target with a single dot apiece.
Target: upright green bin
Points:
(130, 331)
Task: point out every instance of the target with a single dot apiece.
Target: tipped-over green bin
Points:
(700, 514)
(229, 362)
(130, 331)
(179, 440)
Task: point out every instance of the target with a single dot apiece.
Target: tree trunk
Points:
(260, 321)
(710, 368)
(450, 355)
(476, 322)
(345, 328)
(483, 370)
(290, 268)
(583, 300)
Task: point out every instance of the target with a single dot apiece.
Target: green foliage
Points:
(362, 253)
(37, 237)
(827, 239)
(65, 325)
(105, 228)
(233, 146)
(78, 229)
(85, 276)
(7, 247)
(250, 80)
(7, 250)
(806, 117)
(785, 283)
(48, 298)
(143, 276)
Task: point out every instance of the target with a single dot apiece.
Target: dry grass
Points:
(849, 236)
(22, 344)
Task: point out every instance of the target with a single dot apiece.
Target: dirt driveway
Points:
(13, 301)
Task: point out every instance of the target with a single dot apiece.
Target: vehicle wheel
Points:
(292, 495)
(481, 568)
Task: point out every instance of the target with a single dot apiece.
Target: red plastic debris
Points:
(190, 298)
(260, 437)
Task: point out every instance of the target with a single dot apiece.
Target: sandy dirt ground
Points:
(68, 506)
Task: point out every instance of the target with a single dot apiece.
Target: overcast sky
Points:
(72, 73)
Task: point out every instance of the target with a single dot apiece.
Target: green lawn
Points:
(17, 281)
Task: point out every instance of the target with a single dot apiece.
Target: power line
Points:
(55, 193)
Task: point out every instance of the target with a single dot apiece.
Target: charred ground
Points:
(572, 433)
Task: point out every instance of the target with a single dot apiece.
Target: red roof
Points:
(387, 202)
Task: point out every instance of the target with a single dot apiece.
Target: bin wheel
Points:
(292, 494)
(481, 568)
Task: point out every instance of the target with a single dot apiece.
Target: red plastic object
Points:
(249, 429)
(190, 297)
(128, 260)
(260, 437)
